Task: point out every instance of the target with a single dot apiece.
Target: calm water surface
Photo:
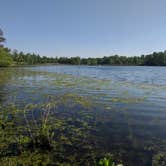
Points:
(128, 104)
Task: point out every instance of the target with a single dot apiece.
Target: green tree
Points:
(5, 58)
(2, 39)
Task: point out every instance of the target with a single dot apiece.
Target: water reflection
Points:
(121, 108)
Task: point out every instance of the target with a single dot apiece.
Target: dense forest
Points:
(8, 57)
(154, 59)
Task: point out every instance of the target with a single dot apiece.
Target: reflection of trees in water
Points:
(2, 94)
(5, 78)
(12, 79)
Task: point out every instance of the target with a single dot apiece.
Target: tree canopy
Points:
(5, 56)
(2, 39)
(154, 59)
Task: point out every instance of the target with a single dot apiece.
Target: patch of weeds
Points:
(159, 159)
(107, 161)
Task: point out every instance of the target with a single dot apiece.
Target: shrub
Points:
(5, 59)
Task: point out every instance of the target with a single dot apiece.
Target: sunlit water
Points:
(127, 103)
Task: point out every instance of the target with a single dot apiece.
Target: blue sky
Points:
(86, 28)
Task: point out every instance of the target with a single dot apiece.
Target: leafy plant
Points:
(41, 134)
(107, 161)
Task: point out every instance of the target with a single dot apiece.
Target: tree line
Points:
(8, 57)
(154, 59)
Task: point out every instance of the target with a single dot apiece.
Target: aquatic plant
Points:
(107, 161)
(159, 159)
(67, 120)
(39, 129)
(40, 132)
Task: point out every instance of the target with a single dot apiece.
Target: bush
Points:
(5, 59)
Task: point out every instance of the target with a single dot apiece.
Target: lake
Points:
(119, 110)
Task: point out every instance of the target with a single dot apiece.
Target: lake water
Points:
(124, 108)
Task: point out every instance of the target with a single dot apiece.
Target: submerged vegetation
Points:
(46, 139)
(49, 118)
